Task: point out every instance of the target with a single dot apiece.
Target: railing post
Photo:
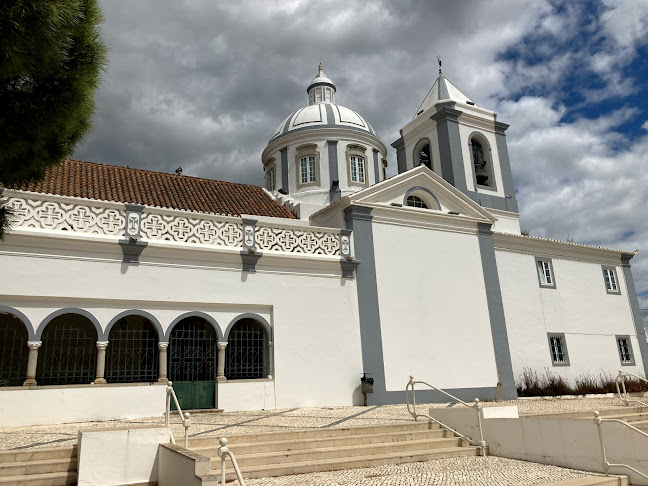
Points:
(482, 443)
(186, 422)
(605, 463)
(169, 389)
(221, 452)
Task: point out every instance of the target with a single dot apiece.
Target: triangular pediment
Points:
(429, 186)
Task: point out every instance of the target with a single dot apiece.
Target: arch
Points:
(426, 193)
(14, 336)
(207, 317)
(132, 355)
(247, 356)
(490, 165)
(134, 312)
(68, 310)
(256, 317)
(31, 332)
(416, 161)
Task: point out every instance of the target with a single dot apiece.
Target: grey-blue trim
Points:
(31, 332)
(551, 271)
(492, 165)
(364, 124)
(632, 361)
(132, 250)
(358, 219)
(401, 161)
(491, 201)
(286, 127)
(206, 317)
(565, 351)
(422, 189)
(636, 312)
(320, 83)
(250, 259)
(380, 397)
(496, 311)
(250, 315)
(334, 195)
(376, 171)
(330, 116)
(133, 312)
(616, 278)
(505, 166)
(450, 150)
(284, 169)
(68, 310)
(135, 207)
(327, 127)
(321, 118)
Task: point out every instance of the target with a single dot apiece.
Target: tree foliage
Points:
(51, 59)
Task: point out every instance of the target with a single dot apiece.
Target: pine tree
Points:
(51, 59)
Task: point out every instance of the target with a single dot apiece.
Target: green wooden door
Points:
(192, 363)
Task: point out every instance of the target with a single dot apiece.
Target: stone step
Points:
(212, 440)
(313, 443)
(38, 454)
(47, 479)
(250, 461)
(335, 464)
(592, 481)
(26, 468)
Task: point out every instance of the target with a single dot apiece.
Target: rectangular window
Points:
(357, 169)
(328, 94)
(558, 349)
(610, 278)
(271, 179)
(545, 272)
(625, 350)
(307, 169)
(318, 95)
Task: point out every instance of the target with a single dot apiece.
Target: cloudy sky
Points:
(203, 84)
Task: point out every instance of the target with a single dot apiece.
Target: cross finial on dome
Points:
(320, 68)
(439, 61)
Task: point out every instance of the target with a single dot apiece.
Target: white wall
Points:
(246, 395)
(433, 311)
(79, 403)
(579, 307)
(120, 455)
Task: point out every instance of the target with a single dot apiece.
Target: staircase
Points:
(39, 467)
(314, 450)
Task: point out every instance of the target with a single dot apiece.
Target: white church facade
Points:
(116, 280)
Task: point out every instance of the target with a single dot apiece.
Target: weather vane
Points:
(439, 61)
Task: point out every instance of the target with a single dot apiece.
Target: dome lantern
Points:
(321, 89)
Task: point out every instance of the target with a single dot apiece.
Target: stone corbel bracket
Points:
(347, 262)
(249, 255)
(132, 246)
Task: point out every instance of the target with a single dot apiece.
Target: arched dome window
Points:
(422, 198)
(416, 202)
(482, 161)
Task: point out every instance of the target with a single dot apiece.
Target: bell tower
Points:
(463, 143)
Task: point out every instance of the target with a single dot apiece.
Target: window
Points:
(416, 202)
(482, 161)
(357, 169)
(307, 167)
(271, 179)
(545, 272)
(610, 278)
(558, 349)
(625, 350)
(246, 356)
(422, 154)
(327, 95)
(318, 95)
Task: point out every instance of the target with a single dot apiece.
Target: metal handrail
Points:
(185, 417)
(621, 377)
(477, 406)
(223, 451)
(607, 465)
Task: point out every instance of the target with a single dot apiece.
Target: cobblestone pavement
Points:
(210, 423)
(474, 471)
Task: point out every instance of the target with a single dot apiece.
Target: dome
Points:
(322, 115)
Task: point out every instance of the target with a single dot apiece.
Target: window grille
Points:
(544, 272)
(192, 351)
(68, 354)
(13, 351)
(609, 275)
(307, 168)
(416, 202)
(246, 355)
(132, 354)
(357, 169)
(625, 350)
(558, 349)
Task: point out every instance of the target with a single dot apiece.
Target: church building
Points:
(117, 280)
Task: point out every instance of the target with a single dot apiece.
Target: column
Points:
(163, 362)
(220, 370)
(101, 362)
(32, 361)
(270, 359)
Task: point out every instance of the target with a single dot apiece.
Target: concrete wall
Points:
(579, 307)
(177, 466)
(79, 403)
(120, 455)
(434, 315)
(247, 395)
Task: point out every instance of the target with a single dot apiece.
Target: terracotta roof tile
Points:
(123, 184)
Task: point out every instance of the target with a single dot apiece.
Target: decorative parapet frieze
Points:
(318, 241)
